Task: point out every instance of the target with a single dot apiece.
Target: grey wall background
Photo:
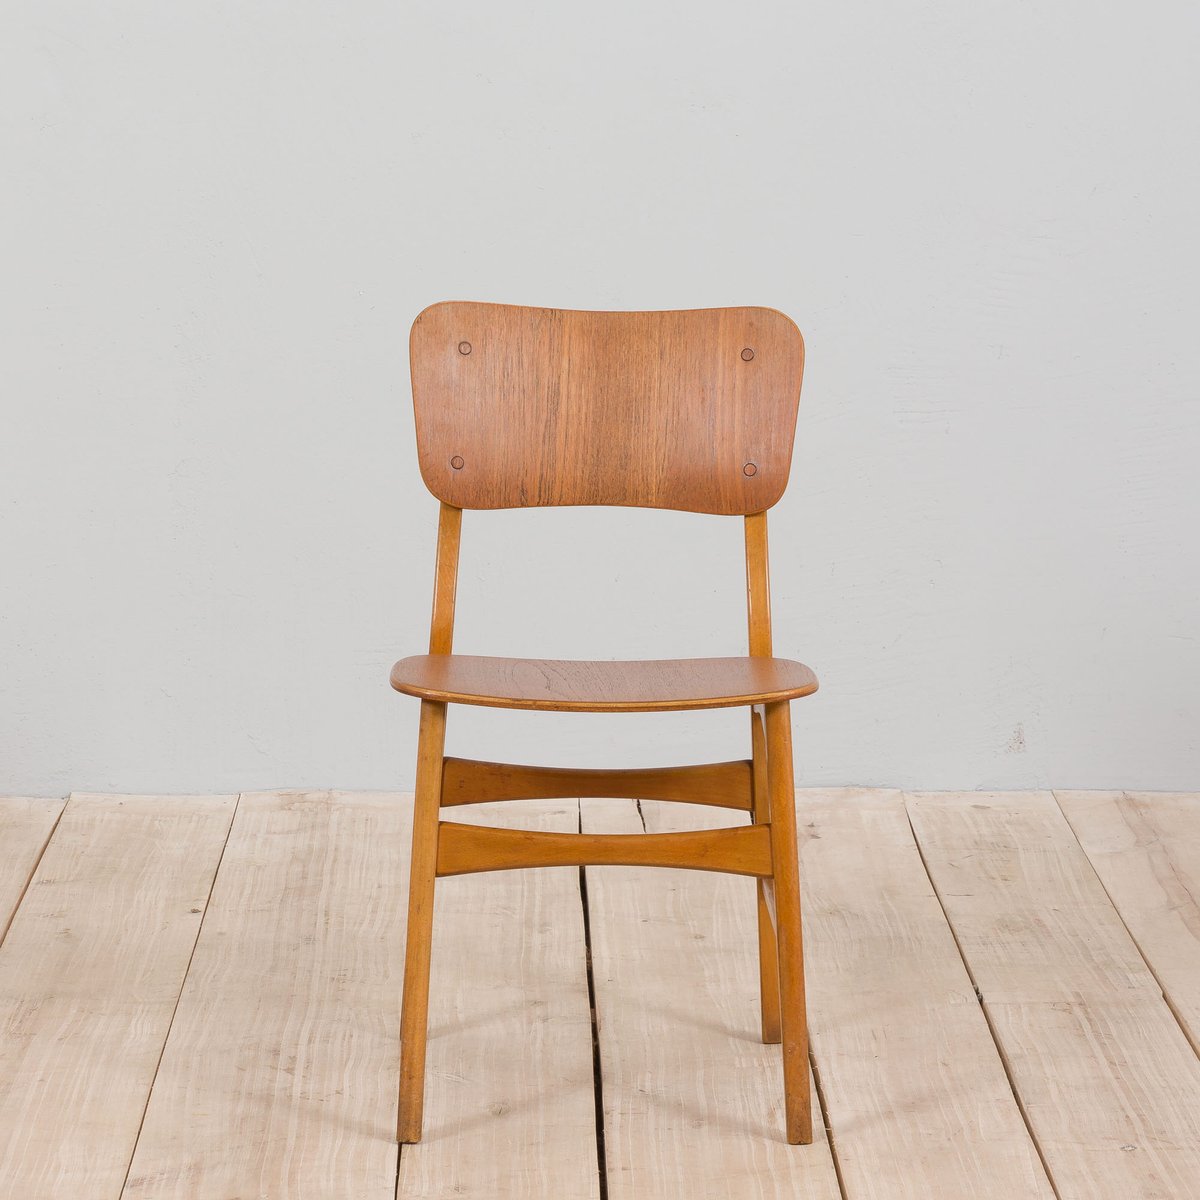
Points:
(220, 219)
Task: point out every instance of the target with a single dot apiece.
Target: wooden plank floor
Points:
(199, 999)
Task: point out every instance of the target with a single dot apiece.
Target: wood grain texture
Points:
(1112, 1093)
(758, 586)
(1145, 846)
(518, 407)
(602, 686)
(693, 1100)
(25, 828)
(758, 628)
(741, 850)
(915, 1091)
(279, 1078)
(468, 781)
(431, 744)
(431, 747)
(1109, 1083)
(768, 946)
(279, 1074)
(1033, 920)
(89, 977)
(783, 903)
(445, 580)
(510, 1111)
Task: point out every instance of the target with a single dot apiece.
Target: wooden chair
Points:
(520, 407)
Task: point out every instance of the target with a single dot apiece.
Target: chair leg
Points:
(768, 971)
(414, 1013)
(784, 858)
(768, 957)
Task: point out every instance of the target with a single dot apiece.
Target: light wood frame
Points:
(766, 849)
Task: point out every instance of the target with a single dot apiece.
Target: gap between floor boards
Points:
(1008, 1074)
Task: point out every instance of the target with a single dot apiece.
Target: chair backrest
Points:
(523, 407)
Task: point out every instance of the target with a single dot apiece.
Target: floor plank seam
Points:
(182, 985)
(983, 1008)
(33, 871)
(819, 1087)
(597, 1072)
(1162, 991)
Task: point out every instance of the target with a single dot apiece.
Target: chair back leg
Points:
(768, 956)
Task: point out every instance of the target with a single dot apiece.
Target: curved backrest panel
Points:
(522, 407)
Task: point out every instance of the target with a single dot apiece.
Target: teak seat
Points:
(660, 685)
(525, 407)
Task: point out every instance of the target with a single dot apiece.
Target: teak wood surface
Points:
(602, 686)
(466, 781)
(739, 850)
(521, 407)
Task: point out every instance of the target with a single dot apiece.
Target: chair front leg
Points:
(414, 1013)
(785, 865)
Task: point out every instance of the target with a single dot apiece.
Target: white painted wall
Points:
(220, 219)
